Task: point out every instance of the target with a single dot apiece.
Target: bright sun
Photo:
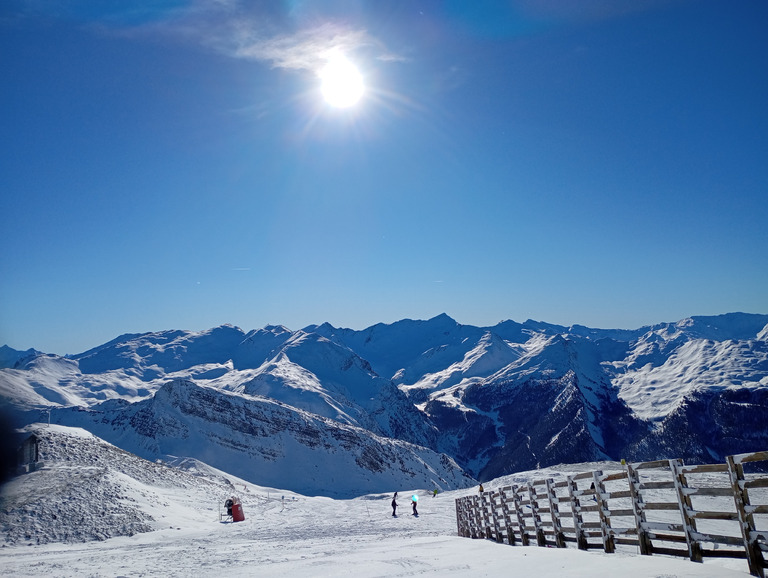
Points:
(342, 83)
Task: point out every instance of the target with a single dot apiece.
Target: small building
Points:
(28, 453)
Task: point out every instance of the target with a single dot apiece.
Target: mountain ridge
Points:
(495, 399)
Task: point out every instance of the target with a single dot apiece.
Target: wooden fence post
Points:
(604, 513)
(686, 510)
(554, 511)
(578, 520)
(638, 507)
(746, 519)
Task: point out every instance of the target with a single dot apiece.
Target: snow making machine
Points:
(234, 510)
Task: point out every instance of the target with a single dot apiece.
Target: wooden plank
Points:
(670, 551)
(705, 469)
(619, 495)
(662, 506)
(670, 485)
(624, 512)
(763, 509)
(667, 506)
(750, 457)
(624, 531)
(651, 465)
(726, 492)
(727, 540)
(723, 553)
(626, 541)
(582, 476)
(614, 477)
(734, 516)
(715, 516)
(758, 483)
(667, 538)
(664, 526)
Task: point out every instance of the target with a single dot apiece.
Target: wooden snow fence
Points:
(659, 507)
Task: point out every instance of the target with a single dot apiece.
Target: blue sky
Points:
(172, 165)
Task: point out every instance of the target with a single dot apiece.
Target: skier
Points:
(434, 493)
(415, 500)
(480, 489)
(394, 505)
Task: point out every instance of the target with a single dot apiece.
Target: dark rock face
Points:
(708, 426)
(537, 423)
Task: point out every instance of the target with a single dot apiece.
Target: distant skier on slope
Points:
(394, 505)
(415, 499)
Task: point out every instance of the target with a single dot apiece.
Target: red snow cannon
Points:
(237, 511)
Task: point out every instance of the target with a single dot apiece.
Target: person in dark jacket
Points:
(394, 505)
(414, 501)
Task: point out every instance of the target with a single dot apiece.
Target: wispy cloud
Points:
(304, 49)
(261, 32)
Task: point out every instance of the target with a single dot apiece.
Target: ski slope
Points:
(87, 488)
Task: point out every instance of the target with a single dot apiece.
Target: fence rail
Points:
(661, 507)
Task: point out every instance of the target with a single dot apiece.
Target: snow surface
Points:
(655, 391)
(283, 534)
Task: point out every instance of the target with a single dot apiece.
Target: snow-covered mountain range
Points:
(434, 401)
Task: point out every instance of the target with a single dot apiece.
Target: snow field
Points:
(284, 534)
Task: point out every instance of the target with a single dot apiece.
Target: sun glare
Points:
(342, 84)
